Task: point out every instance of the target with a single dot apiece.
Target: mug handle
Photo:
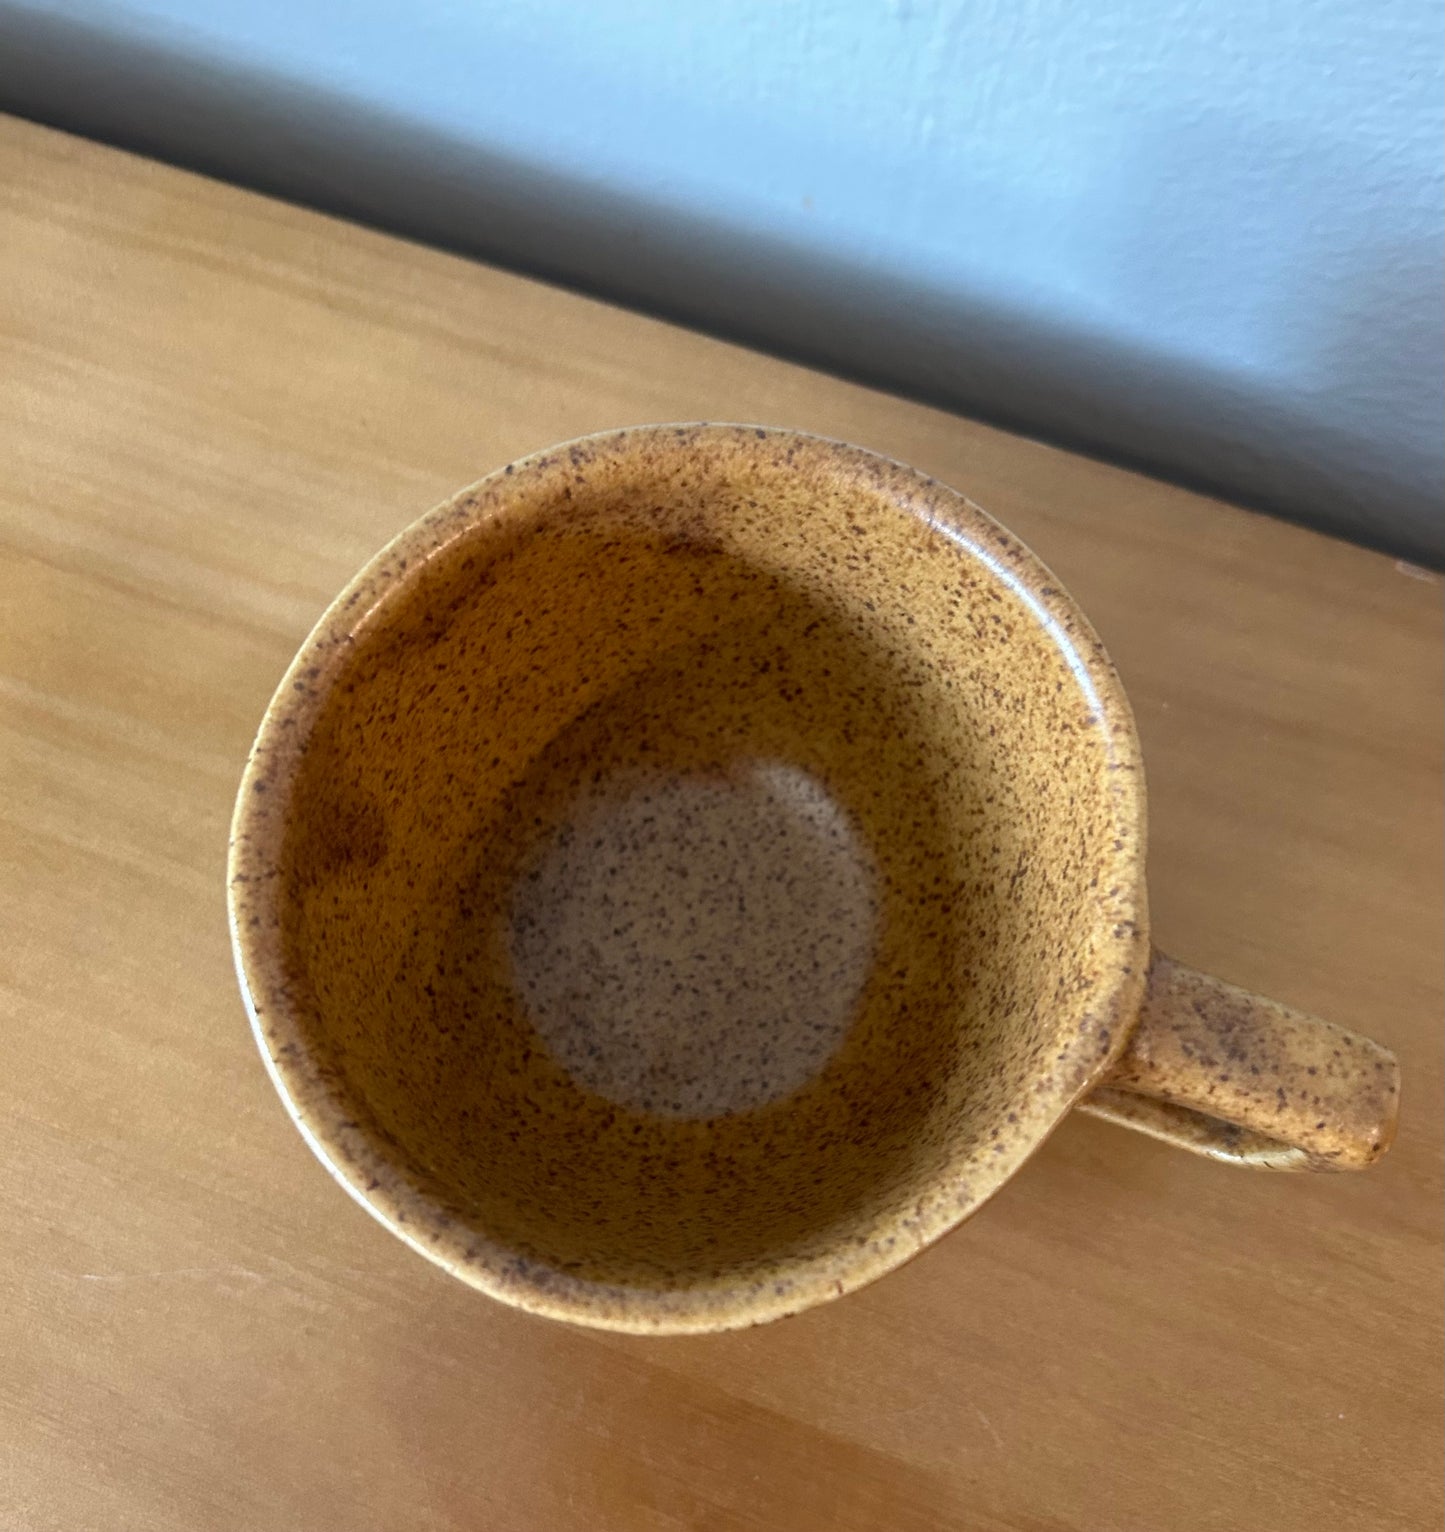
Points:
(1222, 1072)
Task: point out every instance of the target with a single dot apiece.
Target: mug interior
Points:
(689, 871)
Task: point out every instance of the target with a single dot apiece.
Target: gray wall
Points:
(1199, 236)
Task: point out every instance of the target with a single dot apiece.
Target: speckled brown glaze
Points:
(709, 733)
(1239, 1077)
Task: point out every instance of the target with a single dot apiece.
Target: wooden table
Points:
(212, 408)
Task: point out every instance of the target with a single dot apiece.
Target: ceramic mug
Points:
(693, 869)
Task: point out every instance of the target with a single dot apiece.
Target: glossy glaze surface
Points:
(635, 631)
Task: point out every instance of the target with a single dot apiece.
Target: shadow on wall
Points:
(1113, 388)
(1355, 444)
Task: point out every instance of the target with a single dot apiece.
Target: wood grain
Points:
(212, 408)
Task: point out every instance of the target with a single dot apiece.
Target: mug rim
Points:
(313, 1095)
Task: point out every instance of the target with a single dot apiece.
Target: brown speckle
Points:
(829, 837)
